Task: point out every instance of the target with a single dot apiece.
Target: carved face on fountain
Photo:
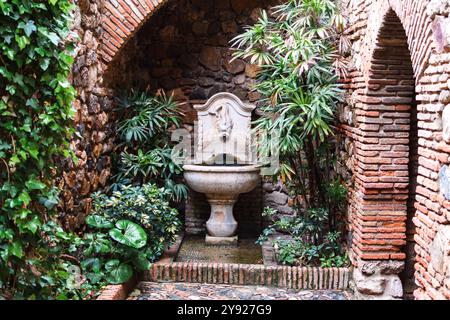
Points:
(224, 123)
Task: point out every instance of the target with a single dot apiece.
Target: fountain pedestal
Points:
(221, 225)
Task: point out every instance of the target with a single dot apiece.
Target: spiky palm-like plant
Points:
(300, 51)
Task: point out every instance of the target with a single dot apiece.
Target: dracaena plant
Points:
(301, 52)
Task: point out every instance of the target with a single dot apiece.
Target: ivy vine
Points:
(35, 120)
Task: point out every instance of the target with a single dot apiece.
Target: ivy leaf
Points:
(11, 88)
(25, 197)
(53, 37)
(129, 234)
(8, 39)
(44, 64)
(118, 272)
(9, 188)
(67, 59)
(10, 53)
(34, 153)
(33, 103)
(15, 249)
(4, 146)
(40, 51)
(34, 184)
(22, 41)
(33, 224)
(29, 28)
(6, 234)
(50, 200)
(100, 222)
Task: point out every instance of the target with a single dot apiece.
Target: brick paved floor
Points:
(198, 291)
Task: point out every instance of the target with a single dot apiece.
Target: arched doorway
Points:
(393, 59)
(387, 162)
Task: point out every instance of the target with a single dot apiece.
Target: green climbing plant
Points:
(35, 117)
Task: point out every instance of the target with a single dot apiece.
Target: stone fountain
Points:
(224, 164)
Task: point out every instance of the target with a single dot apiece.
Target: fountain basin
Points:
(222, 180)
(222, 186)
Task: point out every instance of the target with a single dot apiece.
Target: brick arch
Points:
(386, 151)
(121, 19)
(416, 23)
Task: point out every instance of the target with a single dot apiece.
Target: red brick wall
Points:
(397, 55)
(120, 20)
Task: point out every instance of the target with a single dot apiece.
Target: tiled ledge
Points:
(312, 278)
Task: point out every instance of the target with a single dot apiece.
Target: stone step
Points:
(312, 278)
(198, 291)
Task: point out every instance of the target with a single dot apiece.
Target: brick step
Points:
(307, 278)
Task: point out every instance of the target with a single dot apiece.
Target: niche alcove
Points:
(184, 49)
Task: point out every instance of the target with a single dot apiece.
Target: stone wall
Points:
(276, 196)
(93, 141)
(188, 51)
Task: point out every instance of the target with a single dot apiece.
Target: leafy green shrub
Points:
(144, 129)
(327, 254)
(112, 250)
(309, 242)
(127, 232)
(35, 128)
(145, 205)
